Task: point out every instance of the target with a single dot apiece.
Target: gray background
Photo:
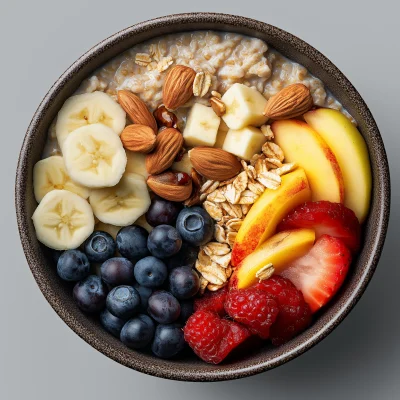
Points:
(40, 357)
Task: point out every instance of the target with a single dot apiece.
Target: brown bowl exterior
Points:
(188, 367)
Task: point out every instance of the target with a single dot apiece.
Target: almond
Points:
(168, 144)
(136, 109)
(139, 138)
(178, 86)
(290, 102)
(172, 186)
(215, 164)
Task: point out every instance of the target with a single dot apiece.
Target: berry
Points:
(111, 323)
(73, 265)
(187, 309)
(320, 273)
(150, 272)
(326, 218)
(163, 307)
(99, 247)
(168, 341)
(253, 308)
(117, 271)
(164, 241)
(132, 242)
(144, 294)
(90, 294)
(213, 301)
(213, 338)
(186, 257)
(162, 212)
(195, 226)
(138, 332)
(184, 282)
(294, 313)
(123, 302)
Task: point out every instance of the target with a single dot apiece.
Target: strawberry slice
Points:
(326, 218)
(320, 273)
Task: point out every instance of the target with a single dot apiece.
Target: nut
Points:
(195, 196)
(178, 86)
(165, 118)
(140, 138)
(201, 84)
(136, 109)
(172, 186)
(215, 164)
(218, 106)
(168, 144)
(290, 102)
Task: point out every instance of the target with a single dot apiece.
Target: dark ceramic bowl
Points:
(189, 367)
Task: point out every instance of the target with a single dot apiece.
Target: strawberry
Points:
(326, 218)
(320, 273)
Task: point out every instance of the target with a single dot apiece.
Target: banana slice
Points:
(50, 174)
(123, 204)
(94, 156)
(63, 220)
(86, 109)
(136, 163)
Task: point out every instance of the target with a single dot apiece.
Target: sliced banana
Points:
(136, 163)
(63, 220)
(94, 156)
(123, 204)
(50, 174)
(89, 108)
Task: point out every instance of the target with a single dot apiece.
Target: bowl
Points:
(190, 368)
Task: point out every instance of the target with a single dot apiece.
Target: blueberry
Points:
(117, 271)
(164, 241)
(111, 323)
(73, 265)
(187, 309)
(184, 282)
(168, 341)
(132, 242)
(99, 247)
(90, 294)
(195, 226)
(163, 307)
(138, 332)
(150, 272)
(162, 212)
(123, 302)
(187, 256)
(144, 294)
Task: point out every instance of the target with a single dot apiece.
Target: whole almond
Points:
(136, 109)
(139, 138)
(290, 102)
(172, 186)
(215, 164)
(168, 144)
(178, 86)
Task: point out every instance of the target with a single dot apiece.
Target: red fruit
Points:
(326, 218)
(294, 313)
(212, 301)
(320, 273)
(253, 308)
(211, 337)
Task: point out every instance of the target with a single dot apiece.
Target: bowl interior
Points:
(188, 367)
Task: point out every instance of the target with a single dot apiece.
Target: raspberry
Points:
(294, 313)
(211, 337)
(212, 301)
(253, 308)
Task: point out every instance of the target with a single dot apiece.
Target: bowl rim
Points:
(232, 21)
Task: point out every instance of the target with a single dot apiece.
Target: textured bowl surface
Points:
(188, 367)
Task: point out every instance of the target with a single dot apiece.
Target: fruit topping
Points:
(320, 273)
(168, 341)
(117, 271)
(163, 307)
(90, 294)
(183, 282)
(212, 301)
(333, 219)
(123, 302)
(111, 323)
(132, 242)
(138, 332)
(150, 272)
(99, 247)
(164, 241)
(186, 256)
(162, 212)
(73, 265)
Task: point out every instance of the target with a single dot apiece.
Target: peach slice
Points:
(280, 250)
(351, 152)
(261, 221)
(302, 145)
